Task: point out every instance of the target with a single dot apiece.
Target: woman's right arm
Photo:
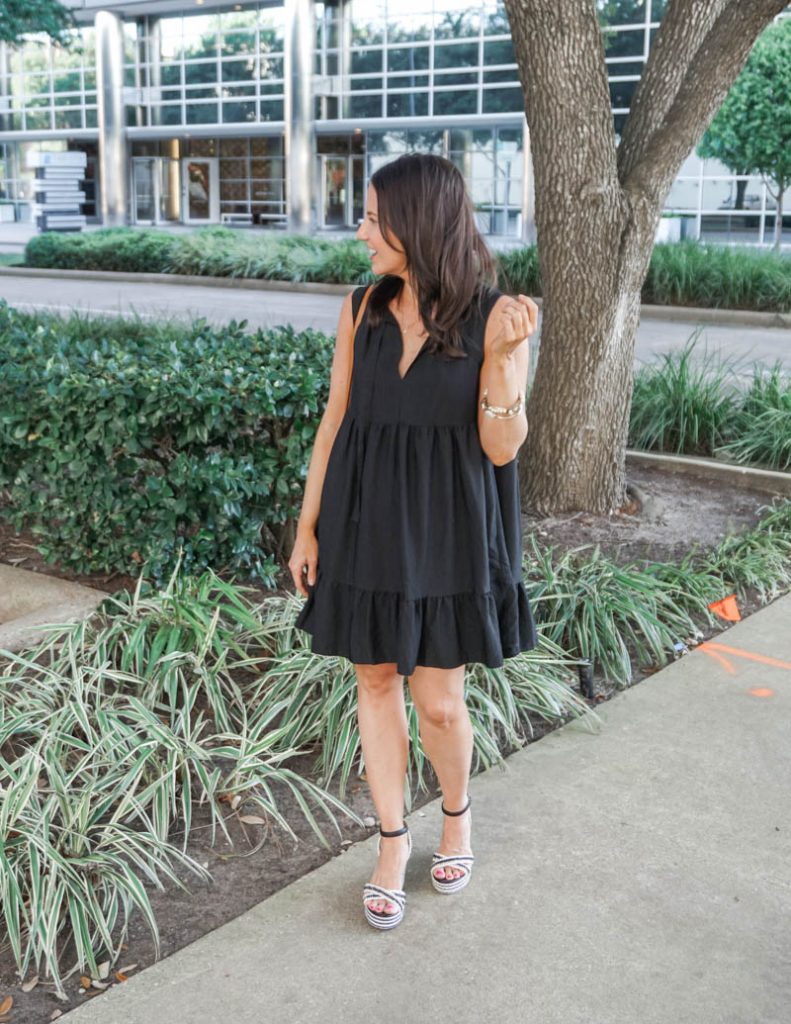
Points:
(304, 557)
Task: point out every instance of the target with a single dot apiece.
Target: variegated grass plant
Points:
(760, 434)
(704, 406)
(115, 729)
(684, 404)
(612, 614)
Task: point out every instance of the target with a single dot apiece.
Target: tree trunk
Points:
(778, 220)
(598, 205)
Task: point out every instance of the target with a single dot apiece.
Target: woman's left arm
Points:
(504, 374)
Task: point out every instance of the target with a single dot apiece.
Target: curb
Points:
(748, 317)
(726, 317)
(747, 478)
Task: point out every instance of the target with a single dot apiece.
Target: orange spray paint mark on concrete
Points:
(711, 647)
(761, 691)
(718, 657)
(726, 608)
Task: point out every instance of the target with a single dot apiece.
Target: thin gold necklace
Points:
(406, 327)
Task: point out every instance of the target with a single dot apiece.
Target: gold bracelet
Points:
(501, 412)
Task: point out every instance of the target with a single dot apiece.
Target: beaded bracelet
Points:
(501, 412)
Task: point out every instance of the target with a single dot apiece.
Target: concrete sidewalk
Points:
(636, 874)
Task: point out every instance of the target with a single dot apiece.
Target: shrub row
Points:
(682, 273)
(122, 442)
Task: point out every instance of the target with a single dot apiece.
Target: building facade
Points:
(277, 114)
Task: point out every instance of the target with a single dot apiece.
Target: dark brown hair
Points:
(422, 199)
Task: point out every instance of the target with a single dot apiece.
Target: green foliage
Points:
(692, 273)
(20, 17)
(123, 442)
(702, 408)
(680, 405)
(170, 707)
(213, 251)
(612, 614)
(751, 132)
(760, 433)
(519, 271)
(116, 249)
(682, 273)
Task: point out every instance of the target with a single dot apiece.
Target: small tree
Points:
(598, 204)
(751, 133)
(19, 17)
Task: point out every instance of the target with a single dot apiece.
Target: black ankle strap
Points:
(397, 832)
(453, 814)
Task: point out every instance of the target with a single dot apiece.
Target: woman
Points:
(408, 544)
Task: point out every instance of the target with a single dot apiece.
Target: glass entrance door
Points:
(155, 191)
(342, 198)
(144, 175)
(200, 188)
(335, 180)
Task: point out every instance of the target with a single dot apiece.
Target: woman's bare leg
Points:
(446, 735)
(381, 715)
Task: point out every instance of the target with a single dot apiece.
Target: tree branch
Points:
(681, 33)
(666, 132)
(562, 69)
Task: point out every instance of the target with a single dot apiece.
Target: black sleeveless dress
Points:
(419, 533)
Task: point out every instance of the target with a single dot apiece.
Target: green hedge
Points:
(122, 441)
(681, 273)
(214, 252)
(691, 273)
(120, 249)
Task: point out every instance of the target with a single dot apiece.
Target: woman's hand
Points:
(518, 320)
(305, 556)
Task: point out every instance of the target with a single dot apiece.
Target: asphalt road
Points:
(304, 309)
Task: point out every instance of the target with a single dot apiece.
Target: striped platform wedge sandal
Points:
(373, 892)
(462, 861)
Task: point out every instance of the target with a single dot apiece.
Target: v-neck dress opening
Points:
(419, 533)
(394, 320)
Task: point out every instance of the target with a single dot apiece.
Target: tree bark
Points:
(598, 204)
(778, 221)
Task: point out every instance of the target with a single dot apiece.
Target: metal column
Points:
(113, 157)
(5, 90)
(300, 133)
(154, 82)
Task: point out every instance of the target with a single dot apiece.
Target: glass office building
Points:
(276, 115)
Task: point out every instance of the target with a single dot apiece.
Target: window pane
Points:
(498, 51)
(623, 44)
(683, 195)
(202, 113)
(456, 23)
(238, 70)
(460, 102)
(621, 93)
(502, 101)
(413, 28)
(625, 12)
(408, 58)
